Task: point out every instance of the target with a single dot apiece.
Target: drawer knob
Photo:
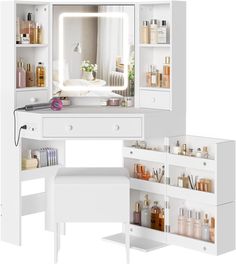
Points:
(204, 163)
(69, 128)
(154, 99)
(33, 100)
(116, 127)
(131, 152)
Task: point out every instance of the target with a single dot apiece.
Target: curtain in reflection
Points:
(109, 42)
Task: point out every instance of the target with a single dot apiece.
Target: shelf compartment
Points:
(192, 195)
(200, 245)
(38, 173)
(147, 186)
(143, 154)
(32, 204)
(192, 162)
(138, 243)
(31, 45)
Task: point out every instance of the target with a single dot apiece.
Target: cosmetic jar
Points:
(113, 102)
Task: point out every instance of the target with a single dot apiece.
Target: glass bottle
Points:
(197, 227)
(162, 220)
(205, 154)
(155, 211)
(162, 33)
(212, 230)
(20, 75)
(153, 76)
(145, 213)
(38, 34)
(137, 214)
(205, 229)
(181, 222)
(29, 76)
(189, 224)
(149, 77)
(177, 148)
(40, 75)
(153, 31)
(166, 73)
(145, 32)
(30, 28)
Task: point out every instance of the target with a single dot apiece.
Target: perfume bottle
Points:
(20, 75)
(40, 75)
(177, 148)
(155, 211)
(149, 78)
(159, 79)
(197, 227)
(153, 31)
(145, 213)
(29, 28)
(38, 34)
(29, 76)
(137, 214)
(205, 229)
(18, 30)
(212, 230)
(181, 222)
(184, 150)
(205, 154)
(145, 32)
(189, 223)
(162, 33)
(199, 153)
(162, 220)
(153, 76)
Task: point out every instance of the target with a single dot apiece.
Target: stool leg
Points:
(56, 242)
(127, 242)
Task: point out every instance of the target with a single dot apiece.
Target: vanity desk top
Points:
(93, 122)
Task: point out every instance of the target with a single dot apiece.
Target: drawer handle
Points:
(131, 152)
(33, 100)
(116, 127)
(154, 99)
(204, 163)
(69, 128)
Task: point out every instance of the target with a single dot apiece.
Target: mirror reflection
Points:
(94, 55)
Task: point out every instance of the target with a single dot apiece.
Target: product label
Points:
(154, 79)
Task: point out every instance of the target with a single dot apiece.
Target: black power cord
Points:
(16, 141)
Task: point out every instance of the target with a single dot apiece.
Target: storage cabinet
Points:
(217, 201)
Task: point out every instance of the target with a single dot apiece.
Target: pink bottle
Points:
(20, 75)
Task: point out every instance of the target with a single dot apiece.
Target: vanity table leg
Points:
(56, 242)
(127, 242)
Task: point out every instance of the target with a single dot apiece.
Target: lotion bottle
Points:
(20, 75)
(197, 227)
(145, 213)
(205, 229)
(181, 222)
(189, 223)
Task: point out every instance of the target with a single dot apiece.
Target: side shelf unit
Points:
(219, 203)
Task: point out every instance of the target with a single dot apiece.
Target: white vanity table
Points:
(158, 117)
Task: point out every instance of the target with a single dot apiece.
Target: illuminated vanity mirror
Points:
(93, 51)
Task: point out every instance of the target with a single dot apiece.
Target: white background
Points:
(211, 106)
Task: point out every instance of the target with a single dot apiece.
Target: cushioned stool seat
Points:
(92, 195)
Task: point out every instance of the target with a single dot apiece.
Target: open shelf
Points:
(27, 175)
(138, 243)
(147, 186)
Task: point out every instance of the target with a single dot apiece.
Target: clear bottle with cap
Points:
(205, 154)
(155, 211)
(20, 75)
(40, 75)
(166, 73)
(137, 214)
(29, 28)
(205, 229)
(153, 29)
(145, 213)
(189, 223)
(29, 76)
(145, 32)
(177, 148)
(197, 227)
(181, 222)
(162, 33)
(153, 76)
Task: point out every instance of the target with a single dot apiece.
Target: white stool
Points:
(77, 190)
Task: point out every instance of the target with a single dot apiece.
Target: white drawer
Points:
(155, 99)
(100, 127)
(31, 97)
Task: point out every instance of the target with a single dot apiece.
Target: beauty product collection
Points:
(27, 77)
(184, 150)
(153, 217)
(157, 175)
(156, 78)
(143, 145)
(28, 31)
(154, 32)
(194, 226)
(40, 158)
(194, 183)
